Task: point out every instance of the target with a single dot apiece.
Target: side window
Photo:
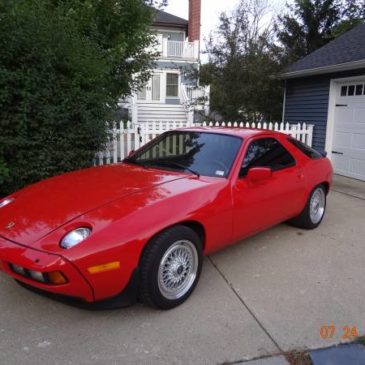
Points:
(308, 151)
(266, 152)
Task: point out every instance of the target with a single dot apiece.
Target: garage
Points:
(348, 146)
(327, 89)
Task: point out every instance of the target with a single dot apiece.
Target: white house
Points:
(173, 92)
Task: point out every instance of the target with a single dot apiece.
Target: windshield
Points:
(200, 153)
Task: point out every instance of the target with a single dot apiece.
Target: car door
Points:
(261, 204)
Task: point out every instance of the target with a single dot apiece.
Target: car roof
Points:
(235, 131)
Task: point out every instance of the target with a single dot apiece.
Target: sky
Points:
(211, 9)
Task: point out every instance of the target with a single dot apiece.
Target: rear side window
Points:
(309, 151)
(266, 152)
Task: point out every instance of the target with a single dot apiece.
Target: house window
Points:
(172, 85)
(174, 36)
(141, 94)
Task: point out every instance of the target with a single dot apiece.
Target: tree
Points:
(242, 65)
(353, 14)
(63, 66)
(310, 24)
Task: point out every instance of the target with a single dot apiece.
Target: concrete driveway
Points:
(266, 295)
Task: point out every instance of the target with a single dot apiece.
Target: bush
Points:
(61, 75)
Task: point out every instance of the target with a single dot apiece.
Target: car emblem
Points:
(10, 225)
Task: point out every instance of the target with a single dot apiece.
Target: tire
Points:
(314, 210)
(170, 267)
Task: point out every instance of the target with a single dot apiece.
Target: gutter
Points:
(170, 25)
(353, 65)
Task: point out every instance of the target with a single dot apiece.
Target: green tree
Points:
(242, 66)
(63, 67)
(353, 14)
(309, 24)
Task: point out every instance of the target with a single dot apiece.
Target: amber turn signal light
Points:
(104, 267)
(56, 278)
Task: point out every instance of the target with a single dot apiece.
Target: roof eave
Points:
(170, 25)
(353, 65)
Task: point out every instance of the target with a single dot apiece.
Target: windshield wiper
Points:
(176, 164)
(135, 162)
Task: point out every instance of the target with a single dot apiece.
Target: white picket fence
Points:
(129, 136)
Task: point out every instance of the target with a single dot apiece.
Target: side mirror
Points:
(257, 174)
(131, 153)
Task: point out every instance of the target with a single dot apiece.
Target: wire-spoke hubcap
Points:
(317, 205)
(178, 269)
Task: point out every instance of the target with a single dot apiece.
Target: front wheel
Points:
(314, 210)
(170, 267)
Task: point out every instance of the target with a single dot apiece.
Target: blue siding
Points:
(307, 101)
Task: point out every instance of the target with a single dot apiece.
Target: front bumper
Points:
(76, 287)
(126, 298)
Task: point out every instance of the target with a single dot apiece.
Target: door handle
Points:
(337, 153)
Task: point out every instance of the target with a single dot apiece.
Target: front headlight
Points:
(74, 237)
(6, 202)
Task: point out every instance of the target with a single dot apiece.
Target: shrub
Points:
(62, 71)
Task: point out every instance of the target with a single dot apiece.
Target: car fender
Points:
(122, 229)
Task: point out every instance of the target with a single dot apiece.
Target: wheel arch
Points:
(326, 186)
(194, 225)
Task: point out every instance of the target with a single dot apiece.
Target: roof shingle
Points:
(163, 18)
(347, 48)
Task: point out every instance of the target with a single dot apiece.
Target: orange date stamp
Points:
(346, 332)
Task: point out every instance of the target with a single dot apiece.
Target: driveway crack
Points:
(346, 193)
(246, 306)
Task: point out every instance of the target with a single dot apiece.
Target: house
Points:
(327, 89)
(173, 92)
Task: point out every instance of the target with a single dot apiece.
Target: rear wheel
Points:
(313, 213)
(170, 267)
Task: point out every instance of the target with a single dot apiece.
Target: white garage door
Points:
(348, 151)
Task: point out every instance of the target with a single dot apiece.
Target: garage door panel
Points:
(358, 141)
(342, 139)
(349, 126)
(357, 167)
(343, 114)
(359, 116)
(349, 153)
(341, 163)
(349, 133)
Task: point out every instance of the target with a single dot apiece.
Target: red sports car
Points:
(139, 229)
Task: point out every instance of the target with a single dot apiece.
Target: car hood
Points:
(43, 207)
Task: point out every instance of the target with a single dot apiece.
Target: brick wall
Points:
(194, 20)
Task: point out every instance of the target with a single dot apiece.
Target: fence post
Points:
(134, 109)
(310, 128)
(190, 118)
(121, 140)
(304, 132)
(115, 144)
